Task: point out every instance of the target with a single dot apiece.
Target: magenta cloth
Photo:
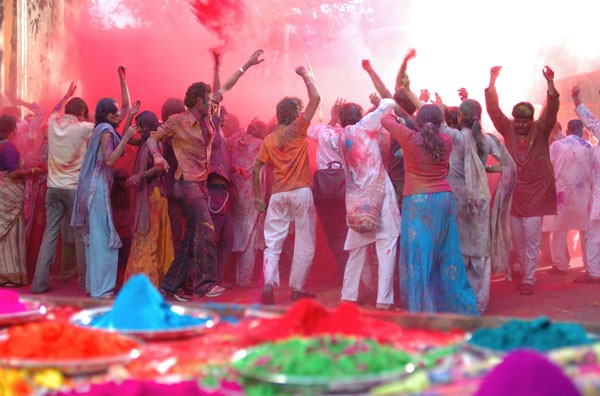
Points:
(9, 302)
(526, 373)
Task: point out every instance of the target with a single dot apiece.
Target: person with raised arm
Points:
(67, 144)
(291, 199)
(534, 196)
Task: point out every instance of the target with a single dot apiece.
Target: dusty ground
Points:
(555, 295)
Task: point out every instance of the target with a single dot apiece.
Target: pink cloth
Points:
(9, 302)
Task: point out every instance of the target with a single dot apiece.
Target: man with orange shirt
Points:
(291, 198)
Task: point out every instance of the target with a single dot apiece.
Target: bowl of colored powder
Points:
(49, 344)
(540, 334)
(141, 311)
(15, 310)
(328, 363)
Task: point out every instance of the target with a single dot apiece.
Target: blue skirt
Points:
(432, 272)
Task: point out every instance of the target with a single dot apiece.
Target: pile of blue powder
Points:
(139, 306)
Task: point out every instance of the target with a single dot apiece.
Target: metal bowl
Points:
(84, 319)
(34, 310)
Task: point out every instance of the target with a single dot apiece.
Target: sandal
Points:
(585, 278)
(387, 307)
(526, 289)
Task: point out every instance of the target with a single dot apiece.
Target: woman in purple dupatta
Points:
(92, 208)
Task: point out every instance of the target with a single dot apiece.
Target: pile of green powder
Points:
(326, 357)
(539, 334)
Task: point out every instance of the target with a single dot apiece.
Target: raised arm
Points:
(254, 60)
(68, 95)
(500, 121)
(550, 110)
(314, 98)
(125, 99)
(134, 141)
(216, 66)
(584, 114)
(384, 92)
(402, 77)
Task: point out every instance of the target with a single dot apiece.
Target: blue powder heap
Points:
(139, 306)
(539, 334)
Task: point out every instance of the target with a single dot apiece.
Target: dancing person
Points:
(571, 159)
(67, 144)
(13, 268)
(592, 234)
(291, 199)
(152, 247)
(534, 196)
(467, 177)
(372, 210)
(432, 271)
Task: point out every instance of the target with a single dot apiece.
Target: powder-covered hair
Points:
(104, 107)
(195, 91)
(470, 111)
(429, 119)
(288, 109)
(350, 114)
(77, 107)
(170, 107)
(8, 124)
(147, 119)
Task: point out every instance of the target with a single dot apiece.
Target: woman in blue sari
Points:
(432, 271)
(92, 208)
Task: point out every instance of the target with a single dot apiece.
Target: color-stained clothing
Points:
(535, 192)
(287, 148)
(67, 144)
(426, 176)
(191, 140)
(592, 240)
(13, 267)
(92, 211)
(500, 213)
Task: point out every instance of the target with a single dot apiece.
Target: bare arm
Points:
(258, 201)
(314, 98)
(402, 77)
(111, 156)
(216, 66)
(384, 92)
(134, 141)
(254, 60)
(125, 99)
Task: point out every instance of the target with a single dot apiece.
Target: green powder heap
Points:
(324, 357)
(539, 334)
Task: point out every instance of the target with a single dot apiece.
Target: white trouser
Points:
(285, 207)
(479, 272)
(592, 248)
(526, 238)
(559, 249)
(245, 262)
(386, 256)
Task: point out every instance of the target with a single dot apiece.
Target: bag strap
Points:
(338, 163)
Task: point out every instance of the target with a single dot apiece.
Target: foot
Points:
(556, 271)
(41, 291)
(586, 278)
(386, 307)
(526, 289)
(267, 296)
(106, 296)
(215, 291)
(298, 294)
(179, 295)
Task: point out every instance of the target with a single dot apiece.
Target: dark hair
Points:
(451, 116)
(8, 124)
(350, 114)
(195, 91)
(257, 128)
(14, 111)
(288, 109)
(147, 119)
(575, 127)
(429, 119)
(403, 101)
(170, 107)
(523, 110)
(104, 107)
(470, 111)
(77, 107)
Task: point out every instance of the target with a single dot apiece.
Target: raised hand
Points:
(335, 109)
(575, 91)
(463, 94)
(122, 72)
(255, 58)
(548, 73)
(136, 107)
(72, 89)
(412, 53)
(301, 70)
(366, 64)
(374, 99)
(216, 57)
(424, 96)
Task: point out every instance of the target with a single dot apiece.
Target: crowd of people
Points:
(417, 223)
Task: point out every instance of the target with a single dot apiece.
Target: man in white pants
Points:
(291, 199)
(592, 237)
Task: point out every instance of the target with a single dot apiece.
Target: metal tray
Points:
(35, 310)
(85, 317)
(73, 367)
(321, 385)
